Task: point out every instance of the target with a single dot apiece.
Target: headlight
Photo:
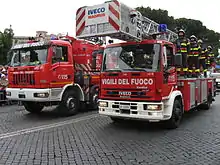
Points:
(42, 95)
(103, 104)
(153, 107)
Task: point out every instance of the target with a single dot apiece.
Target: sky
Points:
(56, 16)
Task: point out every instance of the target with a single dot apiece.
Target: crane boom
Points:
(116, 20)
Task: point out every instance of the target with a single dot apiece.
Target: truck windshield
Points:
(30, 56)
(142, 57)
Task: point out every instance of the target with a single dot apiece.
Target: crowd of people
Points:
(3, 83)
(3, 72)
(196, 57)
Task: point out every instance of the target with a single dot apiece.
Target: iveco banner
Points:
(97, 14)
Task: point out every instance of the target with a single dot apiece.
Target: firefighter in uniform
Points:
(203, 58)
(183, 47)
(193, 57)
(211, 57)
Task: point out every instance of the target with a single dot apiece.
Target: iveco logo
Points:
(125, 93)
(96, 11)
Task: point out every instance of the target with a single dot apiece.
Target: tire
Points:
(69, 104)
(176, 117)
(33, 107)
(207, 105)
(94, 100)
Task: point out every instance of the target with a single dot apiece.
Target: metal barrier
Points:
(3, 96)
(4, 100)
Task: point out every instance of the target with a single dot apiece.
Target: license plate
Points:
(124, 106)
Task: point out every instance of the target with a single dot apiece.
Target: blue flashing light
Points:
(162, 27)
(217, 66)
(53, 38)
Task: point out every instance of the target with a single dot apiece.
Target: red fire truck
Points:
(138, 77)
(55, 72)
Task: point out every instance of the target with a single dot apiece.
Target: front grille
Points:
(125, 108)
(23, 79)
(128, 93)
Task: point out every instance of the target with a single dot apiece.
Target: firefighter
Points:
(183, 47)
(129, 58)
(203, 58)
(211, 57)
(193, 57)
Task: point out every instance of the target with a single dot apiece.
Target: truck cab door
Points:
(61, 67)
(97, 56)
(169, 76)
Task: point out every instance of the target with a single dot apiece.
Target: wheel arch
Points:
(77, 88)
(168, 104)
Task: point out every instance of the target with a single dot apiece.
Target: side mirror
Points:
(177, 59)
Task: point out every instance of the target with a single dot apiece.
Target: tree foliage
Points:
(191, 26)
(6, 40)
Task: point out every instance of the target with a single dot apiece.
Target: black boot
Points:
(205, 74)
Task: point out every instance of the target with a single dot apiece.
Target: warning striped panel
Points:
(116, 3)
(80, 20)
(113, 11)
(113, 23)
(114, 14)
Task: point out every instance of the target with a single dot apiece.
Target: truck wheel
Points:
(176, 117)
(94, 100)
(33, 107)
(207, 105)
(70, 103)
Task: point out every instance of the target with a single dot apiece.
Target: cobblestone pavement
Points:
(14, 118)
(96, 140)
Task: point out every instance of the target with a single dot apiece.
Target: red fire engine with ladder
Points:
(58, 71)
(138, 76)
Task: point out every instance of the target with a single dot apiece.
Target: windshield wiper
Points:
(113, 70)
(32, 63)
(137, 69)
(16, 64)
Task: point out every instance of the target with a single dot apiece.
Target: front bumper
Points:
(37, 95)
(134, 110)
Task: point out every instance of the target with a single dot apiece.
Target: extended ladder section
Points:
(150, 27)
(116, 20)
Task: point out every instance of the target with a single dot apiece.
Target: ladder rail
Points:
(152, 28)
